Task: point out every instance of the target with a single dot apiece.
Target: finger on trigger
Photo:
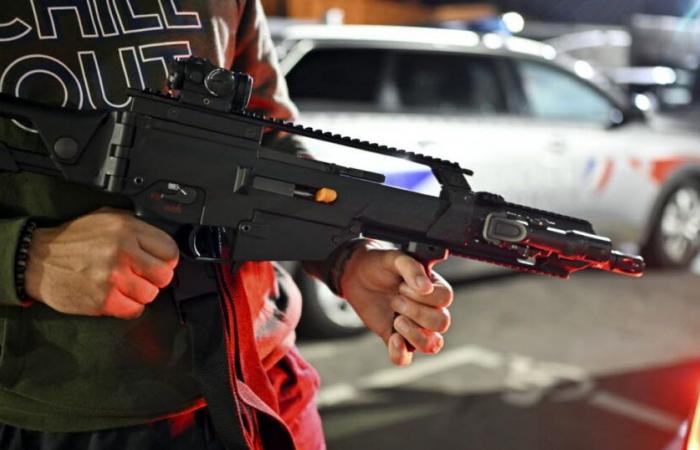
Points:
(413, 273)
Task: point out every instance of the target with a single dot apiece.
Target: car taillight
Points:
(692, 440)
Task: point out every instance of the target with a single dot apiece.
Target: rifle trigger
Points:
(201, 246)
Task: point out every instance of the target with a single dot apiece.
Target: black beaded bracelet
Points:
(22, 258)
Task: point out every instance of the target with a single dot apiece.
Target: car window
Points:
(554, 94)
(448, 83)
(344, 78)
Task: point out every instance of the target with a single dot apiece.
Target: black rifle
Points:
(196, 160)
(194, 165)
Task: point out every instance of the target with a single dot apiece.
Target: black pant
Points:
(159, 435)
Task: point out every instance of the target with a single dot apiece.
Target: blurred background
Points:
(584, 107)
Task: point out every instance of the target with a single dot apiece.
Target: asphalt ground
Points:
(597, 362)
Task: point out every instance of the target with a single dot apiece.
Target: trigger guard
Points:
(191, 242)
(192, 247)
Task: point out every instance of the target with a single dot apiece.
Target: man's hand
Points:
(379, 282)
(105, 263)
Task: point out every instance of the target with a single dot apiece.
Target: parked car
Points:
(540, 128)
(610, 50)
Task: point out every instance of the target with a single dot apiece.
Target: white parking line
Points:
(336, 394)
(401, 375)
(634, 410)
(344, 392)
(488, 359)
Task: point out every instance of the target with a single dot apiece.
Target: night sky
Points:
(598, 11)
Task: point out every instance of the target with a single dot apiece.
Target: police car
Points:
(537, 127)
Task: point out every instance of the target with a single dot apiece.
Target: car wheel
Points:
(324, 314)
(675, 238)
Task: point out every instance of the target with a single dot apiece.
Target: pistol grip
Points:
(428, 255)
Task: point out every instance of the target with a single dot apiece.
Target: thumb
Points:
(413, 274)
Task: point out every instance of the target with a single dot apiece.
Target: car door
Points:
(579, 152)
(466, 113)
(444, 104)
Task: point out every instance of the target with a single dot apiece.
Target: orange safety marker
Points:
(326, 195)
